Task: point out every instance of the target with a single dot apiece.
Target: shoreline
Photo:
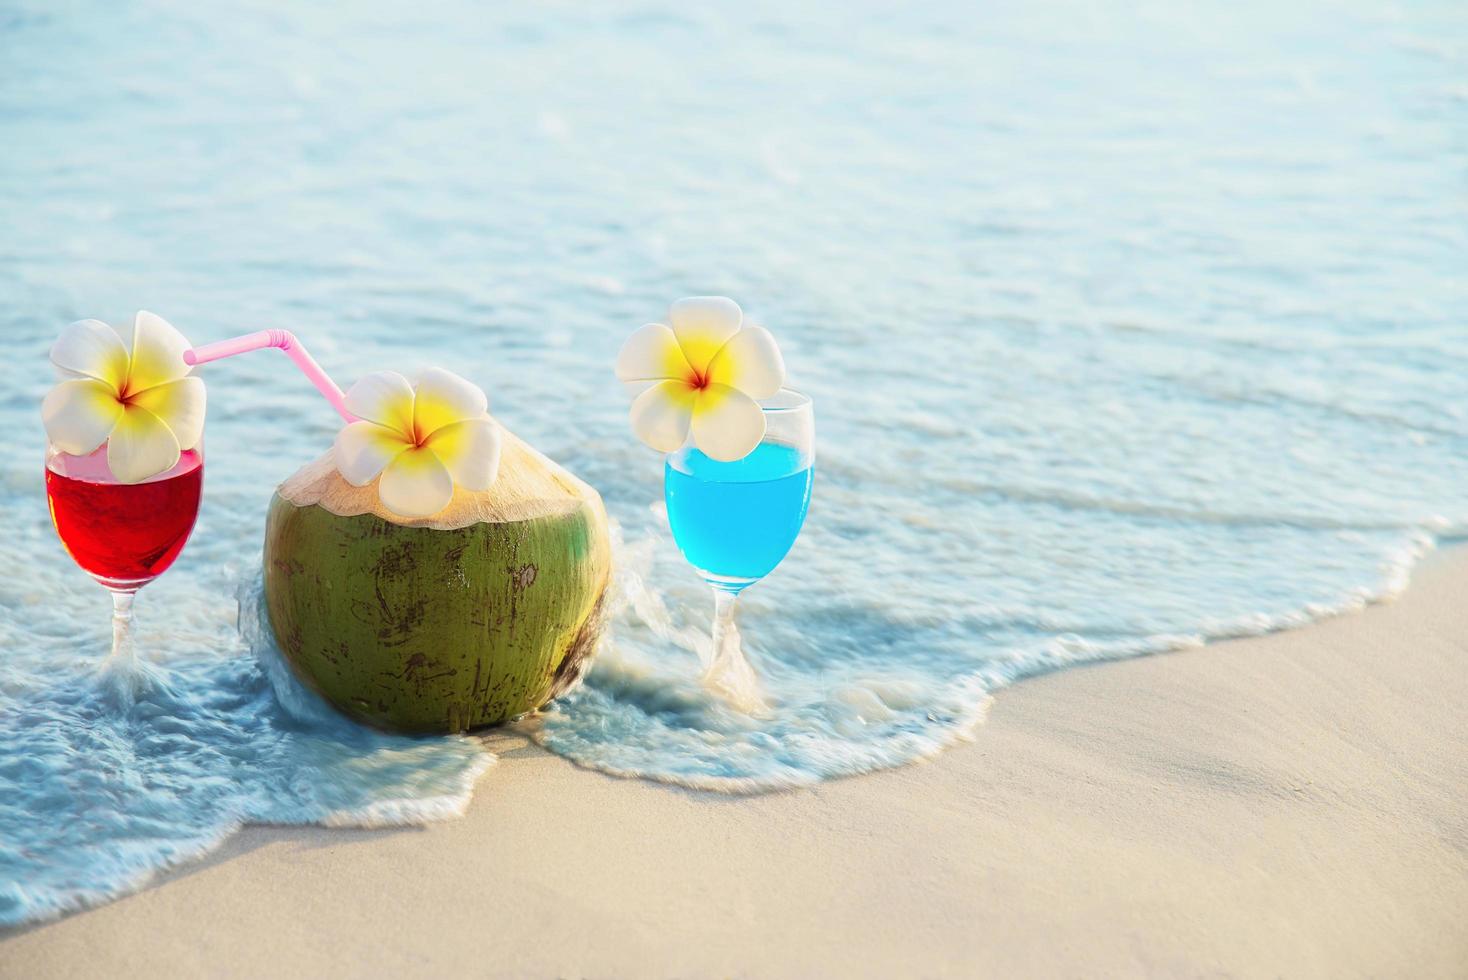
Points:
(1291, 803)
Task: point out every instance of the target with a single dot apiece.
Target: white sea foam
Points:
(98, 794)
(1122, 338)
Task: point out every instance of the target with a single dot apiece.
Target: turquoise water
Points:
(1130, 327)
(735, 521)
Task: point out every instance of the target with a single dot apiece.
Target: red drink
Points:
(124, 534)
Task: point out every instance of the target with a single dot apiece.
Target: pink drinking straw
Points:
(284, 340)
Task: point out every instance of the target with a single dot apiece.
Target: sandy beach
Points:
(1290, 805)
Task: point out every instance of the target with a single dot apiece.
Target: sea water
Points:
(1129, 327)
(734, 521)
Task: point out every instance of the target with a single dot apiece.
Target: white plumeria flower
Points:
(137, 397)
(422, 438)
(704, 375)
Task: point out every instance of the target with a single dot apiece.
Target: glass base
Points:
(726, 583)
(119, 584)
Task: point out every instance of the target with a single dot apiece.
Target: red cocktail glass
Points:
(123, 534)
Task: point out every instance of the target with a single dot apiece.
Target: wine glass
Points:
(122, 534)
(735, 521)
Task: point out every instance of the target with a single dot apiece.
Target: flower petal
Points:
(660, 415)
(384, 397)
(416, 484)
(157, 353)
(652, 354)
(727, 423)
(363, 449)
(702, 325)
(442, 398)
(180, 404)
(80, 414)
(751, 362)
(140, 446)
(469, 450)
(92, 349)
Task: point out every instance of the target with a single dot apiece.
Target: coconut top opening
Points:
(529, 485)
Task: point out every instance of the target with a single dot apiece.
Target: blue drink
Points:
(735, 521)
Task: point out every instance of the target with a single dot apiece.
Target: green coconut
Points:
(489, 609)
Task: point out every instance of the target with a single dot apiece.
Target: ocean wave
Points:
(109, 777)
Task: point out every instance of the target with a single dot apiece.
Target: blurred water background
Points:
(1127, 328)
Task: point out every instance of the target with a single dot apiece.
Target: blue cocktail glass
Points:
(735, 521)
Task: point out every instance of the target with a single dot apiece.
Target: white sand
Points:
(1294, 805)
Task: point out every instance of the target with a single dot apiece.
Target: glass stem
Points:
(726, 634)
(729, 673)
(124, 655)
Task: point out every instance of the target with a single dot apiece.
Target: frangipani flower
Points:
(422, 438)
(138, 397)
(704, 375)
